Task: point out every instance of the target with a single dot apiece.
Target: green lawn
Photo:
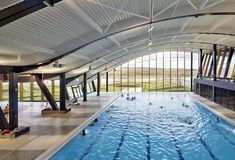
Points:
(148, 87)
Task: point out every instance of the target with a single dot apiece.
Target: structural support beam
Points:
(62, 92)
(13, 100)
(191, 72)
(228, 62)
(93, 85)
(107, 82)
(22, 9)
(98, 84)
(1, 90)
(3, 121)
(85, 87)
(214, 61)
(201, 62)
(46, 92)
(26, 68)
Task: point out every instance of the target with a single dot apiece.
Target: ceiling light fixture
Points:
(150, 29)
(57, 64)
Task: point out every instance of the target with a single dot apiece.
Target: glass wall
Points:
(231, 68)
(76, 91)
(37, 92)
(56, 90)
(155, 72)
(30, 91)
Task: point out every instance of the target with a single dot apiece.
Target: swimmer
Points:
(122, 95)
(150, 103)
(96, 120)
(161, 106)
(188, 122)
(186, 106)
(83, 132)
(127, 98)
(218, 120)
(172, 98)
(183, 104)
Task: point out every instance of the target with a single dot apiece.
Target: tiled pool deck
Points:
(48, 130)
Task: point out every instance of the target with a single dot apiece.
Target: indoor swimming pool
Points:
(153, 127)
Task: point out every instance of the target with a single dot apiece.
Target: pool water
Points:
(164, 130)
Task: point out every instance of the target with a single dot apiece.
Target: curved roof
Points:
(95, 33)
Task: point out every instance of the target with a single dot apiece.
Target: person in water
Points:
(218, 120)
(83, 132)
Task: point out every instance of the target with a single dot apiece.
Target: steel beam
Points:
(139, 26)
(214, 61)
(191, 71)
(13, 100)
(98, 84)
(22, 9)
(85, 87)
(62, 92)
(228, 62)
(93, 86)
(107, 82)
(4, 14)
(3, 121)
(200, 63)
(46, 92)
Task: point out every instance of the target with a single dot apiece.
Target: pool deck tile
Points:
(48, 130)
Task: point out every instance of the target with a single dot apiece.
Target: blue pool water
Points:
(136, 130)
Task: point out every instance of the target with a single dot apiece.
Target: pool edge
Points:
(52, 150)
(217, 113)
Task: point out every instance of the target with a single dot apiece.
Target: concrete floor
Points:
(47, 130)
